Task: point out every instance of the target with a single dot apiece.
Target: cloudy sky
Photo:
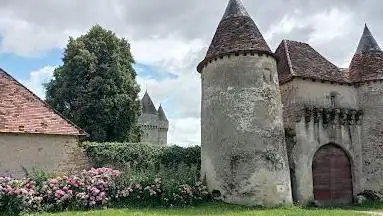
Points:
(169, 38)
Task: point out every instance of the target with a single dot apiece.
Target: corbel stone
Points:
(353, 117)
(343, 117)
(308, 114)
(337, 116)
(316, 115)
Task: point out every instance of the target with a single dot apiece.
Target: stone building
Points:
(332, 118)
(153, 122)
(32, 134)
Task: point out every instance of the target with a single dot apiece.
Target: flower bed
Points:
(94, 188)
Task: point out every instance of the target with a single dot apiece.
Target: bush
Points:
(121, 155)
(102, 187)
(139, 156)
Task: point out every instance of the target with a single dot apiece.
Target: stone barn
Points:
(332, 118)
(33, 135)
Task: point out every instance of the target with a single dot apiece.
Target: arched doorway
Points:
(332, 176)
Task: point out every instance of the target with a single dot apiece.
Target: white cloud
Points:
(159, 51)
(326, 25)
(329, 25)
(182, 99)
(172, 37)
(185, 132)
(37, 78)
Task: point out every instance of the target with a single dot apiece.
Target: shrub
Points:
(121, 155)
(102, 187)
(140, 156)
(17, 196)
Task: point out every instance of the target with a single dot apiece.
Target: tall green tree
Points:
(96, 87)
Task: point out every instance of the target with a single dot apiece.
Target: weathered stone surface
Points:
(243, 154)
(52, 153)
(371, 101)
(306, 105)
(243, 148)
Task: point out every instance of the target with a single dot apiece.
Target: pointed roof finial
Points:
(367, 42)
(161, 114)
(237, 32)
(235, 8)
(148, 105)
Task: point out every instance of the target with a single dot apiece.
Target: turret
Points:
(163, 126)
(148, 120)
(367, 63)
(244, 159)
(366, 70)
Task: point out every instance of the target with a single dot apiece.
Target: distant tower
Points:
(244, 159)
(154, 123)
(366, 69)
(163, 126)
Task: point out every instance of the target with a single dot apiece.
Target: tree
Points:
(96, 87)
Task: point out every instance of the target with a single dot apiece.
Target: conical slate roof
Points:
(367, 42)
(235, 8)
(367, 63)
(161, 114)
(236, 32)
(147, 105)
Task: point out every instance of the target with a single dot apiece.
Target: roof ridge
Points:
(81, 131)
(288, 57)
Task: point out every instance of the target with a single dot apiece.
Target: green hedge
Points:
(141, 156)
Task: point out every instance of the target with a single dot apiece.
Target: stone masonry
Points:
(244, 159)
(153, 122)
(331, 148)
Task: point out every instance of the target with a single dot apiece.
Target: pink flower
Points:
(59, 193)
(53, 181)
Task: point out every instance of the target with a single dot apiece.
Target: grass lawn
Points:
(219, 209)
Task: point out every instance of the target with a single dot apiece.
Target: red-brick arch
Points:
(332, 175)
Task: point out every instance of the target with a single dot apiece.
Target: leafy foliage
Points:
(142, 156)
(96, 188)
(96, 86)
(120, 155)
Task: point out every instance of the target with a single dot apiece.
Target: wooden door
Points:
(332, 176)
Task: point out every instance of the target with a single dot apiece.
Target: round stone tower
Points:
(244, 159)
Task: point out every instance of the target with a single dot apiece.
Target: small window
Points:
(333, 101)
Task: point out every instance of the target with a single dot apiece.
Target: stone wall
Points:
(317, 114)
(150, 127)
(60, 154)
(371, 100)
(244, 159)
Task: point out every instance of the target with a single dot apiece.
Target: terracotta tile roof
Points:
(297, 59)
(235, 33)
(21, 111)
